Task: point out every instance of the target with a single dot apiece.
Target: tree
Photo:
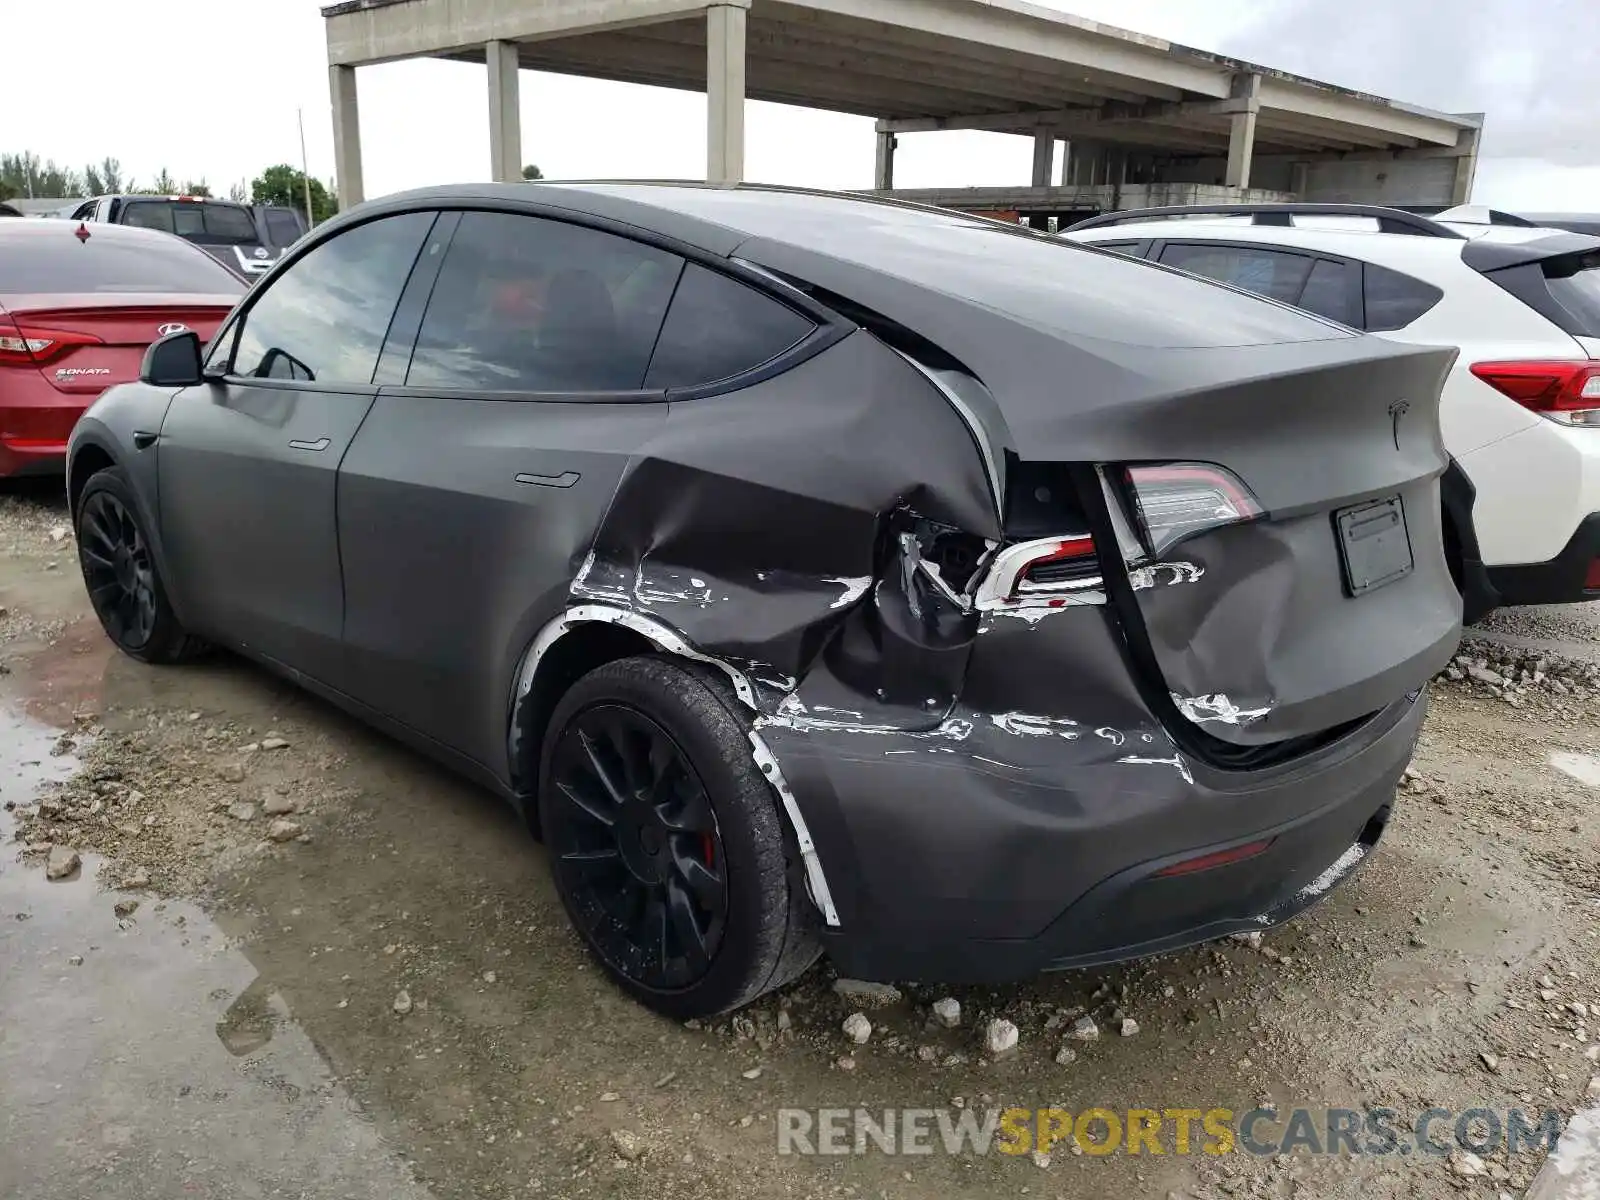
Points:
(111, 176)
(285, 186)
(532, 172)
(239, 192)
(193, 187)
(94, 183)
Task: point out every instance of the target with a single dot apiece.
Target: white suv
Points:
(1521, 409)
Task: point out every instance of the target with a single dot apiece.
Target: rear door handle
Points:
(319, 445)
(143, 439)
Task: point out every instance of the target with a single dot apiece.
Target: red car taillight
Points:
(1174, 501)
(31, 346)
(1568, 392)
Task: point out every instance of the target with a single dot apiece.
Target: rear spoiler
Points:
(1525, 268)
(1484, 255)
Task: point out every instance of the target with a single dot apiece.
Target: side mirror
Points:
(174, 361)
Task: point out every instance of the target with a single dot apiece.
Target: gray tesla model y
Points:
(815, 574)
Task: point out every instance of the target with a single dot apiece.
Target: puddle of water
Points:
(148, 1053)
(1585, 768)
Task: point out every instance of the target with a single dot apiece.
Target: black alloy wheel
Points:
(117, 570)
(635, 841)
(122, 575)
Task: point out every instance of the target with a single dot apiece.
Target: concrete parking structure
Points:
(1145, 121)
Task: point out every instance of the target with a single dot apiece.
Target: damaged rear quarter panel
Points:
(752, 522)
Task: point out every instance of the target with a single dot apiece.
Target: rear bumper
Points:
(1560, 580)
(951, 863)
(32, 457)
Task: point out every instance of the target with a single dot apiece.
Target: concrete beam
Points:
(725, 29)
(1283, 95)
(1039, 81)
(637, 58)
(883, 169)
(505, 112)
(424, 27)
(874, 77)
(346, 135)
(1331, 133)
(1096, 197)
(1076, 45)
(1242, 134)
(1104, 121)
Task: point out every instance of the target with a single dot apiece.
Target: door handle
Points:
(564, 480)
(319, 445)
(143, 439)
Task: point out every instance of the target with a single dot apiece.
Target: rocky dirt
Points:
(404, 924)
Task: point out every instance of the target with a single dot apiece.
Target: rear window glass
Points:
(107, 263)
(1265, 272)
(717, 327)
(1394, 300)
(223, 224)
(1574, 282)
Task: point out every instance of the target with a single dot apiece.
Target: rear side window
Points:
(717, 328)
(1328, 294)
(103, 262)
(1574, 283)
(325, 318)
(1268, 273)
(1394, 300)
(530, 305)
(1128, 248)
(203, 221)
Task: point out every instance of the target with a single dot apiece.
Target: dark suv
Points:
(233, 234)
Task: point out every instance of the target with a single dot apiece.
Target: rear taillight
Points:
(1568, 392)
(1174, 501)
(1045, 573)
(28, 345)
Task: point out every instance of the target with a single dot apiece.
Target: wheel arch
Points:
(87, 459)
(587, 636)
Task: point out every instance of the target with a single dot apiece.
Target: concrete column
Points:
(725, 26)
(883, 171)
(1044, 156)
(346, 135)
(1466, 165)
(1066, 164)
(1242, 135)
(505, 112)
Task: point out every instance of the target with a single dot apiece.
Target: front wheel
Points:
(120, 574)
(666, 842)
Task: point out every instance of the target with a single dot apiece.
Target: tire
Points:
(120, 574)
(630, 885)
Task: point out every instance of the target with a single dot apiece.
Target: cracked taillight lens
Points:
(1174, 501)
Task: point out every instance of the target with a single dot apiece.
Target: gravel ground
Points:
(398, 921)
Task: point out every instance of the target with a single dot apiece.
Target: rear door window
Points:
(1272, 273)
(1393, 300)
(525, 304)
(717, 328)
(324, 319)
(198, 221)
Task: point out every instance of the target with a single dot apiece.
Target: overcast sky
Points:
(211, 87)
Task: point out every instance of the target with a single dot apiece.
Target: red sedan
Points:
(78, 306)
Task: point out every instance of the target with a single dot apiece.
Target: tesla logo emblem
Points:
(171, 328)
(260, 252)
(1397, 410)
(81, 232)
